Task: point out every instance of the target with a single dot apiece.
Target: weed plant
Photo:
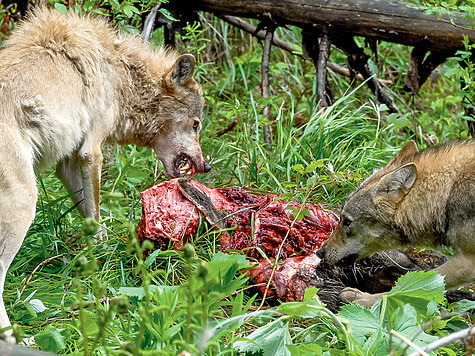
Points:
(77, 295)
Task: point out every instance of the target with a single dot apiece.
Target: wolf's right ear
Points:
(183, 69)
(409, 150)
(398, 182)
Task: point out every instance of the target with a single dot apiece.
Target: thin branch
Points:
(228, 128)
(358, 60)
(428, 324)
(419, 352)
(250, 28)
(149, 22)
(37, 267)
(346, 72)
(449, 339)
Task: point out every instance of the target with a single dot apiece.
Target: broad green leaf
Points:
(223, 269)
(432, 309)
(310, 349)
(299, 168)
(224, 260)
(311, 167)
(462, 305)
(310, 307)
(404, 321)
(270, 339)
(362, 321)
(61, 7)
(37, 305)
(397, 120)
(418, 289)
(167, 14)
(216, 328)
(49, 339)
(136, 175)
(377, 344)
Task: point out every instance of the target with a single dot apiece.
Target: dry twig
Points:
(420, 352)
(449, 339)
(37, 267)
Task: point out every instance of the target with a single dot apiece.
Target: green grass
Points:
(88, 297)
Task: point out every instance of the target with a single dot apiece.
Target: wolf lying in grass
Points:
(419, 199)
(68, 84)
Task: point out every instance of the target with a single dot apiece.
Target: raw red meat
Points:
(167, 216)
(291, 278)
(170, 218)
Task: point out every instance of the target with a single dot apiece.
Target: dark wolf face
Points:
(178, 145)
(367, 222)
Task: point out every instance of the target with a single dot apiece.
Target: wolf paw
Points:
(349, 295)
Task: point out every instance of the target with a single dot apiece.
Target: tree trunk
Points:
(386, 20)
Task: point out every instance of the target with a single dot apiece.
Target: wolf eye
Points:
(196, 124)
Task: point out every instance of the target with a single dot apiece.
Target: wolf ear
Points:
(409, 150)
(399, 182)
(183, 69)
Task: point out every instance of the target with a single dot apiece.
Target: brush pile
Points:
(254, 224)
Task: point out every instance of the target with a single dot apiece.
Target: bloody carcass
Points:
(171, 213)
(255, 224)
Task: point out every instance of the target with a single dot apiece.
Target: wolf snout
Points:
(206, 167)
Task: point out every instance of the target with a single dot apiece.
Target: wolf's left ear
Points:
(409, 150)
(398, 182)
(183, 69)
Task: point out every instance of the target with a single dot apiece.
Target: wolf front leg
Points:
(69, 172)
(90, 162)
(18, 195)
(458, 270)
(364, 299)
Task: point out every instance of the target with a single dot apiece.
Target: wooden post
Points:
(317, 46)
(323, 54)
(269, 34)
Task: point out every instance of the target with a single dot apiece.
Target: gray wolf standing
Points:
(419, 199)
(68, 84)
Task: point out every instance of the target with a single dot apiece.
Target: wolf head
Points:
(367, 220)
(178, 147)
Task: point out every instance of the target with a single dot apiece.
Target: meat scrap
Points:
(291, 278)
(171, 214)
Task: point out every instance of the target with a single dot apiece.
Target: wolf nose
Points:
(320, 253)
(207, 167)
